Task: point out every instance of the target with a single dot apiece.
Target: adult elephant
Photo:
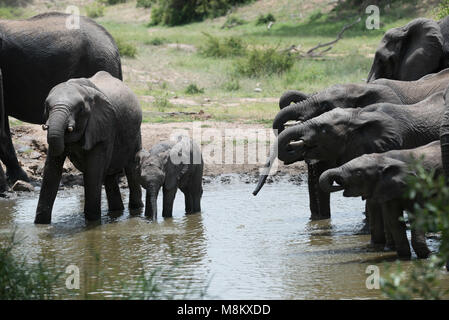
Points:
(340, 135)
(381, 178)
(410, 52)
(348, 96)
(35, 55)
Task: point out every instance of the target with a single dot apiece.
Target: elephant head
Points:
(371, 176)
(76, 112)
(337, 96)
(409, 52)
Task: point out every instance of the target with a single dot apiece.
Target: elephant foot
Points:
(42, 218)
(389, 246)
(92, 216)
(422, 252)
(364, 230)
(136, 204)
(404, 254)
(13, 175)
(376, 246)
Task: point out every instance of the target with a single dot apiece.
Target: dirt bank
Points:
(31, 147)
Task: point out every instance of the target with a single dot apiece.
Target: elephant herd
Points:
(357, 137)
(70, 81)
(361, 138)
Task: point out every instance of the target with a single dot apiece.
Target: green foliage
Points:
(193, 89)
(10, 12)
(14, 3)
(112, 2)
(264, 62)
(94, 10)
(177, 12)
(222, 47)
(157, 41)
(162, 103)
(125, 48)
(231, 85)
(265, 19)
(144, 3)
(232, 21)
(430, 196)
(20, 280)
(442, 10)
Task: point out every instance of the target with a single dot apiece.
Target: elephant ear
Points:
(101, 117)
(373, 131)
(392, 184)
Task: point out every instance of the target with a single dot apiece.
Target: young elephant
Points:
(172, 165)
(96, 123)
(381, 177)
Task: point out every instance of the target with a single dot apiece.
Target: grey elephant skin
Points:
(171, 165)
(381, 178)
(37, 54)
(341, 135)
(94, 122)
(349, 96)
(412, 51)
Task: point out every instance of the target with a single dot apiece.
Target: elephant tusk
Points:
(45, 127)
(292, 123)
(70, 129)
(299, 143)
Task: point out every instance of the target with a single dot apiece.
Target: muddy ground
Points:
(31, 148)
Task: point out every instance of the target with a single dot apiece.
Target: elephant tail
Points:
(3, 116)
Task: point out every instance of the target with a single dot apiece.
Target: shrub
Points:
(265, 19)
(157, 41)
(232, 21)
(221, 48)
(177, 12)
(144, 3)
(125, 48)
(264, 62)
(442, 10)
(94, 10)
(10, 12)
(193, 89)
(231, 85)
(112, 2)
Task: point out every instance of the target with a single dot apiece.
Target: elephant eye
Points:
(359, 173)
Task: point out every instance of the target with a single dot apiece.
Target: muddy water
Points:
(239, 247)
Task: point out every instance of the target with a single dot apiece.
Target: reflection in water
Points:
(240, 247)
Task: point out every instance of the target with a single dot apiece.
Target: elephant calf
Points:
(380, 177)
(94, 122)
(171, 165)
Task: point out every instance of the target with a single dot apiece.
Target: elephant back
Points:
(444, 27)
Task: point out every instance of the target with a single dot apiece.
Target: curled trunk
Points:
(291, 96)
(266, 170)
(57, 123)
(328, 178)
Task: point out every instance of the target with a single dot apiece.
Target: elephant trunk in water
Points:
(266, 170)
(151, 202)
(57, 124)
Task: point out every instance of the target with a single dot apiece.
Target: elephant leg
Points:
(319, 201)
(8, 156)
(188, 200)
(419, 244)
(392, 212)
(389, 241)
(376, 226)
(168, 199)
(135, 191)
(93, 178)
(49, 189)
(113, 193)
(3, 182)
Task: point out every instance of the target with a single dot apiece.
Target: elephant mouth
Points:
(337, 185)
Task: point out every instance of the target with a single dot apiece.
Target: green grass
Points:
(94, 10)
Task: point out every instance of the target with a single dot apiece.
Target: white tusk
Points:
(299, 143)
(292, 123)
(70, 129)
(44, 127)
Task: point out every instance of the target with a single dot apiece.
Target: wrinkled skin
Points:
(412, 51)
(171, 165)
(381, 178)
(350, 96)
(29, 72)
(94, 122)
(344, 134)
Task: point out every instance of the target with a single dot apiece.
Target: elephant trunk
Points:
(266, 170)
(328, 178)
(373, 72)
(444, 139)
(151, 202)
(57, 124)
(291, 144)
(291, 96)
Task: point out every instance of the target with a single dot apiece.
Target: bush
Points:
(157, 41)
(144, 3)
(264, 62)
(94, 10)
(112, 2)
(232, 21)
(125, 48)
(231, 85)
(177, 12)
(442, 10)
(221, 48)
(430, 196)
(193, 89)
(265, 19)
(10, 13)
